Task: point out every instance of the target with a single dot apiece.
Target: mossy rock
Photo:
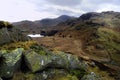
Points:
(34, 63)
(37, 61)
(8, 68)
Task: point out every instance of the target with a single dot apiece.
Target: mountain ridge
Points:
(36, 26)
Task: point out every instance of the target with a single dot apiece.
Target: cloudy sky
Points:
(17, 10)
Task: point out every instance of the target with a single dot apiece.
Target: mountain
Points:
(44, 24)
(109, 19)
(26, 26)
(99, 33)
(93, 36)
(53, 22)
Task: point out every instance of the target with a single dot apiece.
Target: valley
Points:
(83, 48)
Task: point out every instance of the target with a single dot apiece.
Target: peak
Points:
(64, 16)
(108, 12)
(26, 21)
(89, 15)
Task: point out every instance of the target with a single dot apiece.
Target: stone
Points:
(9, 65)
(37, 61)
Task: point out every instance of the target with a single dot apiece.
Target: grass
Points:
(103, 74)
(11, 46)
(63, 77)
(38, 49)
(22, 76)
(109, 40)
(109, 37)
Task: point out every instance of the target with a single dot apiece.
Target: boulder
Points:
(67, 61)
(40, 66)
(61, 60)
(10, 60)
(37, 61)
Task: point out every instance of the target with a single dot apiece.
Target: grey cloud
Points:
(83, 5)
(65, 2)
(67, 12)
(100, 2)
(94, 5)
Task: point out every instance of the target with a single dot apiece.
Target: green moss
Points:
(42, 52)
(78, 73)
(38, 49)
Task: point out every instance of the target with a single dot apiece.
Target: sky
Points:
(17, 10)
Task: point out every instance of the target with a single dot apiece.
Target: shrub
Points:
(5, 24)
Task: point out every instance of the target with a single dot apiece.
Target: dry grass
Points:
(61, 44)
(11, 46)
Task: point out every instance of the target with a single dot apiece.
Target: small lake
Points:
(35, 35)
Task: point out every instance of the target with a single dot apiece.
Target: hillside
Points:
(93, 36)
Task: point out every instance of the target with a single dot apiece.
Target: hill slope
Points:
(93, 36)
(99, 33)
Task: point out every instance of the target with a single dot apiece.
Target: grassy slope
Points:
(105, 43)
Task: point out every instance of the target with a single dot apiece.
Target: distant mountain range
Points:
(44, 24)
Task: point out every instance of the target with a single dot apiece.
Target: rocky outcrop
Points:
(9, 34)
(53, 60)
(40, 66)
